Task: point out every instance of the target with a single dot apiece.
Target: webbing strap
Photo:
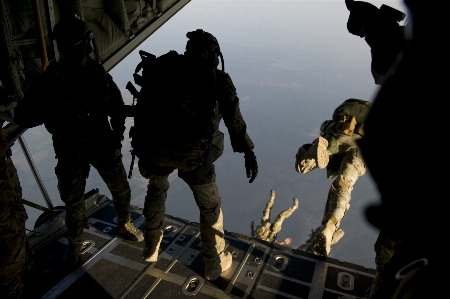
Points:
(133, 156)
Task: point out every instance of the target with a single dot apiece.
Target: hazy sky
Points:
(293, 63)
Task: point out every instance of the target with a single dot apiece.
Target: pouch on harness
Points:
(174, 106)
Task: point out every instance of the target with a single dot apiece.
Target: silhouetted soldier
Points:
(74, 98)
(412, 214)
(381, 30)
(174, 130)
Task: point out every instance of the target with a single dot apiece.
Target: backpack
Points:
(175, 105)
(349, 117)
(75, 110)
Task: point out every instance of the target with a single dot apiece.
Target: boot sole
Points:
(320, 245)
(322, 153)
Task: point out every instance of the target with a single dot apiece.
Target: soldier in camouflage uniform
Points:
(194, 160)
(268, 231)
(14, 252)
(74, 98)
(335, 149)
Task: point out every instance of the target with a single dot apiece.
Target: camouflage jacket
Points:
(74, 106)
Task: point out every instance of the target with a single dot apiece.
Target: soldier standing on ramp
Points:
(74, 98)
(335, 149)
(268, 231)
(174, 130)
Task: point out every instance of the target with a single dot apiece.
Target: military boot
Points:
(295, 205)
(310, 156)
(151, 250)
(338, 234)
(323, 238)
(129, 231)
(73, 250)
(216, 266)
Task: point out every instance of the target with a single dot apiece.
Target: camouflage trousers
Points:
(346, 166)
(202, 182)
(14, 252)
(72, 174)
(339, 195)
(268, 231)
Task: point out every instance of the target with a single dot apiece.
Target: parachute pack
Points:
(176, 103)
(349, 117)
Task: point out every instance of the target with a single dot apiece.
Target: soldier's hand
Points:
(287, 241)
(4, 146)
(118, 153)
(251, 165)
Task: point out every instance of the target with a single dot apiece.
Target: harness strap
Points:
(133, 156)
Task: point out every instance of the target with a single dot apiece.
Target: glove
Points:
(300, 156)
(251, 165)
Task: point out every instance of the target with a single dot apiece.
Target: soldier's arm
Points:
(34, 108)
(4, 144)
(116, 109)
(232, 117)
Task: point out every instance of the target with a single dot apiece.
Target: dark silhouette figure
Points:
(411, 213)
(381, 30)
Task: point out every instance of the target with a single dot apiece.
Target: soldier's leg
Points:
(114, 175)
(208, 200)
(338, 202)
(206, 195)
(276, 225)
(72, 174)
(266, 212)
(154, 206)
(15, 256)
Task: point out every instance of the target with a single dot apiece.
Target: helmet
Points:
(203, 43)
(362, 14)
(73, 38)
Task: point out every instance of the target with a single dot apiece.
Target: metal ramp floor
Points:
(113, 267)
